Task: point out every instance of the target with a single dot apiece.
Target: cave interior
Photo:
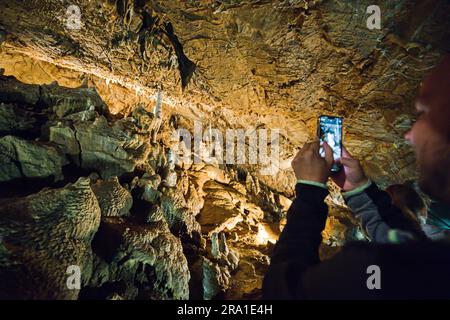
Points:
(91, 93)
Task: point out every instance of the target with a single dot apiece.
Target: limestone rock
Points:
(225, 207)
(42, 235)
(68, 101)
(277, 65)
(220, 251)
(155, 214)
(29, 159)
(194, 198)
(143, 119)
(149, 185)
(179, 217)
(215, 279)
(213, 272)
(170, 179)
(64, 137)
(114, 200)
(149, 259)
(15, 120)
(246, 281)
(335, 232)
(109, 150)
(86, 115)
(13, 91)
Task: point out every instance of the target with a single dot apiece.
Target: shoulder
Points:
(413, 270)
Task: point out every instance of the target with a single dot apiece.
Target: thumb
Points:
(345, 152)
(347, 162)
(328, 154)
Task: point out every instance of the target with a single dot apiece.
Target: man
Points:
(403, 270)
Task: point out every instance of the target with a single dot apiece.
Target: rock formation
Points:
(42, 235)
(116, 206)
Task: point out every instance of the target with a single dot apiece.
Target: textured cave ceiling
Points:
(272, 64)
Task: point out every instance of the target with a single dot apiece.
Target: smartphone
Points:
(329, 129)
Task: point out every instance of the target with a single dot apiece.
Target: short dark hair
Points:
(405, 197)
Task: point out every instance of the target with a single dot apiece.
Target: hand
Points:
(309, 165)
(351, 176)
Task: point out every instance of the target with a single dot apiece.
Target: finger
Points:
(305, 150)
(345, 153)
(315, 146)
(348, 162)
(328, 154)
(298, 153)
(307, 145)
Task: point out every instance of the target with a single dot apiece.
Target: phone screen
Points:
(330, 130)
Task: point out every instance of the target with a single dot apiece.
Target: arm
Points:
(382, 220)
(367, 203)
(298, 246)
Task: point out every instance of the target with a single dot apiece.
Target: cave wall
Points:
(81, 187)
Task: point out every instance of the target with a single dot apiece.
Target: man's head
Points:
(430, 134)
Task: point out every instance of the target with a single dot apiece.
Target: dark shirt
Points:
(411, 270)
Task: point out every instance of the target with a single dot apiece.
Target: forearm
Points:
(306, 218)
(367, 204)
(298, 246)
(367, 214)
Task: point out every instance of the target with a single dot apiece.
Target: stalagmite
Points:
(157, 120)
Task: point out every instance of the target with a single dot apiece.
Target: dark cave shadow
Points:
(22, 187)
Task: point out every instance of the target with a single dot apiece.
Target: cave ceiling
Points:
(243, 64)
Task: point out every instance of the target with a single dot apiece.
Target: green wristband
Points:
(313, 183)
(357, 190)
